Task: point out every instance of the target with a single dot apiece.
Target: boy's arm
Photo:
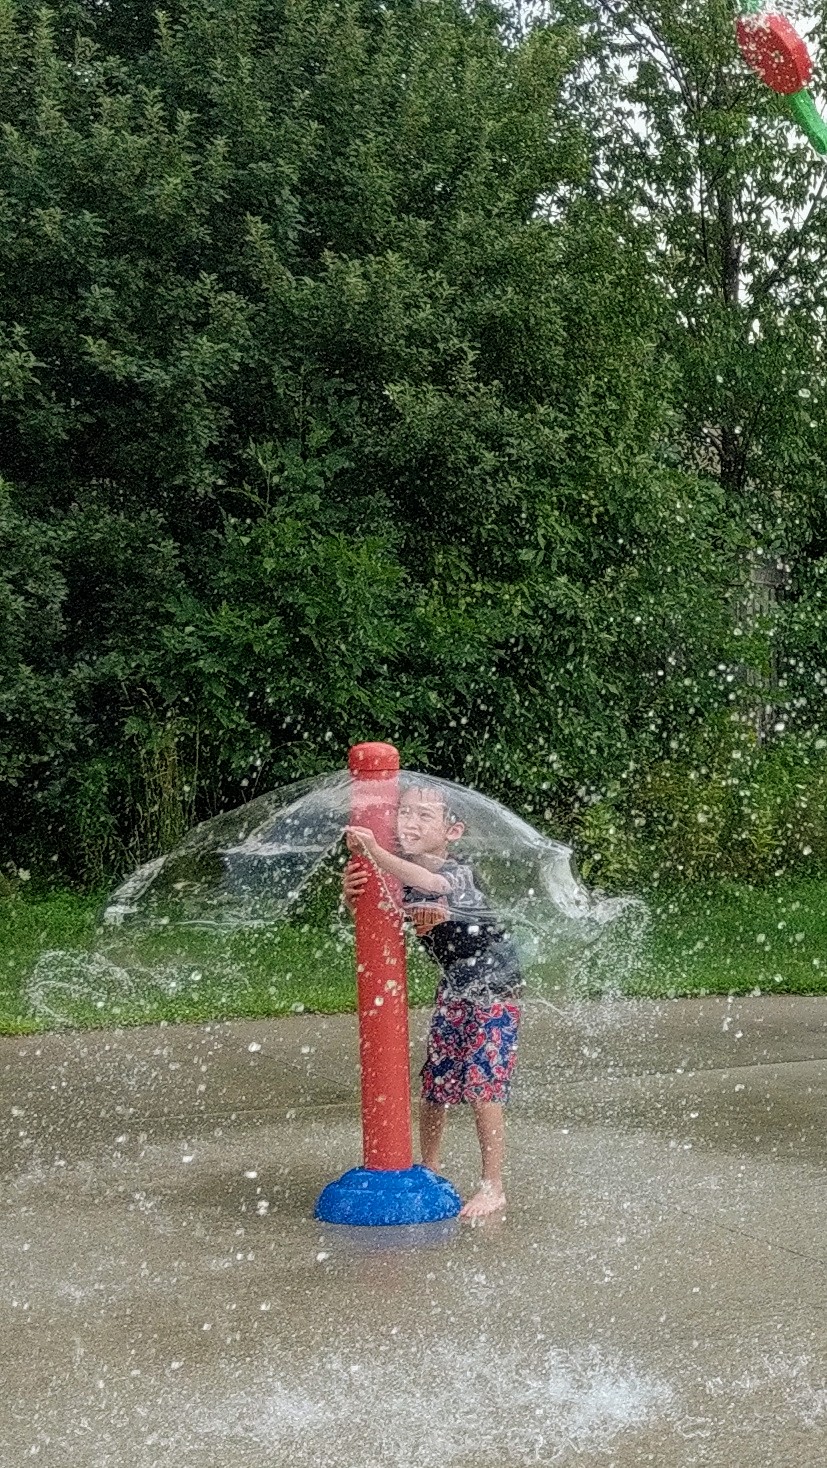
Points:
(409, 872)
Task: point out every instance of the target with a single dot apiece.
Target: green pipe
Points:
(809, 119)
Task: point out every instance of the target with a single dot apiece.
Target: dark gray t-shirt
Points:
(459, 930)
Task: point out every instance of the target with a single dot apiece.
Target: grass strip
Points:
(58, 965)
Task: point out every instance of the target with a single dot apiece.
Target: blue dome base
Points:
(366, 1195)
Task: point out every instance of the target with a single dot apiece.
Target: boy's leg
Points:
(441, 1078)
(431, 1127)
(490, 1196)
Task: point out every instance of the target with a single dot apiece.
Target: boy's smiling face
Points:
(424, 826)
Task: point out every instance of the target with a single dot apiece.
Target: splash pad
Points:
(248, 870)
(245, 917)
(634, 1295)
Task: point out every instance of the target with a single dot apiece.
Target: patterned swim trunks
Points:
(472, 1051)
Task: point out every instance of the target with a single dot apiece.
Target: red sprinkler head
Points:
(772, 47)
(775, 51)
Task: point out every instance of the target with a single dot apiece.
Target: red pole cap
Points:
(373, 759)
(774, 49)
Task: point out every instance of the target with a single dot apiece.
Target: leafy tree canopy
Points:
(355, 360)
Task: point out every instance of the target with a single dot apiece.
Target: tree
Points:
(732, 194)
(334, 392)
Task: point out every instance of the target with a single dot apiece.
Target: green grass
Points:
(57, 964)
(732, 938)
(28, 927)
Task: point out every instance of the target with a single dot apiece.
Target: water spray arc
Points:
(265, 880)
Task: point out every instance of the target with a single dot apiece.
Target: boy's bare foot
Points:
(489, 1198)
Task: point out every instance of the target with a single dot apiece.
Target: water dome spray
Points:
(252, 867)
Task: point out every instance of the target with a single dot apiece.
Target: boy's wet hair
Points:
(407, 785)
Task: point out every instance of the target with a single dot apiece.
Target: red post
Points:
(380, 967)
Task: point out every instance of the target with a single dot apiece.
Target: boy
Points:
(472, 1042)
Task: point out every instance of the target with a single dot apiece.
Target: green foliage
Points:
(335, 402)
(727, 807)
(730, 192)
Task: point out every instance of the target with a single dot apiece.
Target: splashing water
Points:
(60, 980)
(265, 878)
(439, 1403)
(245, 867)
(250, 865)
(253, 865)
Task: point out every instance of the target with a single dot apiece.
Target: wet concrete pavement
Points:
(655, 1295)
